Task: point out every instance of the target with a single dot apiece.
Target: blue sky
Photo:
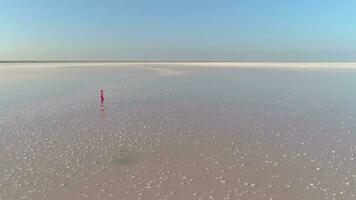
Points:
(255, 30)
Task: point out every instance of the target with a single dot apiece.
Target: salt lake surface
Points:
(173, 132)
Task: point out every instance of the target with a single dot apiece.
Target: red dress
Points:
(102, 97)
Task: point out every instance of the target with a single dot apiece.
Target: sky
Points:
(178, 30)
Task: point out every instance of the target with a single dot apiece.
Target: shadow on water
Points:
(124, 157)
(121, 158)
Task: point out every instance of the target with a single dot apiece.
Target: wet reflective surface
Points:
(203, 134)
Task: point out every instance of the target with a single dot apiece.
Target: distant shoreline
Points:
(164, 65)
(87, 61)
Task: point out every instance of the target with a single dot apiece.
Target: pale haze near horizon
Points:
(178, 30)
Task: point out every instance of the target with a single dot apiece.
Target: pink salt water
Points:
(199, 133)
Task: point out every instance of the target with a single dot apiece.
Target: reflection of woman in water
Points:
(102, 96)
(102, 110)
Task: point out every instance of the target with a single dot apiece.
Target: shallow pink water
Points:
(206, 134)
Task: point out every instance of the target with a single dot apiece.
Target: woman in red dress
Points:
(102, 96)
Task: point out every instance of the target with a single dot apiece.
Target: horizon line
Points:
(162, 61)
